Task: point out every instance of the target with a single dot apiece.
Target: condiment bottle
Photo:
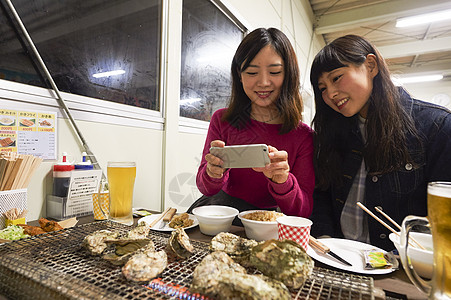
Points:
(61, 177)
(85, 164)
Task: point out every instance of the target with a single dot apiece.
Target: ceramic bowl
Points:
(422, 260)
(259, 230)
(214, 219)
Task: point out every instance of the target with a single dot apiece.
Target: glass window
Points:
(209, 41)
(80, 41)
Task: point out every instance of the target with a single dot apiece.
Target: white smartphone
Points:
(242, 156)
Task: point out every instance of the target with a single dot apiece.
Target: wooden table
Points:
(395, 282)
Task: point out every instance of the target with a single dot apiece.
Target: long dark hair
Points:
(289, 103)
(388, 123)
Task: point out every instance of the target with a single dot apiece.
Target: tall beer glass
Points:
(121, 181)
(439, 219)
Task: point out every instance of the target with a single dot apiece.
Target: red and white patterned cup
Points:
(294, 228)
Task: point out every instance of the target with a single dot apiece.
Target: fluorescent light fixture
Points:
(109, 73)
(189, 101)
(402, 80)
(424, 18)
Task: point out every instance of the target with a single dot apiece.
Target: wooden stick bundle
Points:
(16, 170)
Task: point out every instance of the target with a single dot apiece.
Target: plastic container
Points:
(61, 177)
(85, 163)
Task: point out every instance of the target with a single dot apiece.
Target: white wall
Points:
(431, 91)
(168, 158)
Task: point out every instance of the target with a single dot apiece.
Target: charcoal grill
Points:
(54, 266)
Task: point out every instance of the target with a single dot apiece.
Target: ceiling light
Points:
(424, 18)
(109, 73)
(413, 79)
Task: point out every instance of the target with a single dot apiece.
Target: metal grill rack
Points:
(54, 266)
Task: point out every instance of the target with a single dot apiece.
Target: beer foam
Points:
(441, 189)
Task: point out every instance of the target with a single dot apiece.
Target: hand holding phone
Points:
(242, 156)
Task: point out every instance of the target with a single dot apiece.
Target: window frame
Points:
(190, 125)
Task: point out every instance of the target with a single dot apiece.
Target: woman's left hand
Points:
(278, 169)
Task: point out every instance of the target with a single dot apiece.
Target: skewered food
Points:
(179, 244)
(283, 260)
(181, 220)
(219, 277)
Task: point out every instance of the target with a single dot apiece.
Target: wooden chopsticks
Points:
(16, 170)
(388, 226)
(159, 218)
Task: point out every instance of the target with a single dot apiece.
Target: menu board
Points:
(28, 132)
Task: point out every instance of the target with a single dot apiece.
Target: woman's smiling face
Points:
(262, 80)
(347, 89)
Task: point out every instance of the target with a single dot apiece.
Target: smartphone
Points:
(242, 156)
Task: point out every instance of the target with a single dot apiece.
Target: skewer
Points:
(387, 226)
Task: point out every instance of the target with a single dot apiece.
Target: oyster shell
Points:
(95, 242)
(219, 277)
(179, 244)
(145, 265)
(139, 232)
(126, 248)
(237, 247)
(283, 260)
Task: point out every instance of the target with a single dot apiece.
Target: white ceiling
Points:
(421, 49)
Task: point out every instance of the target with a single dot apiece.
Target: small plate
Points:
(351, 252)
(6, 121)
(151, 218)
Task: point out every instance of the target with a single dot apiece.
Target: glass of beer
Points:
(121, 181)
(439, 220)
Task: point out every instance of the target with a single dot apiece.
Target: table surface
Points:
(396, 282)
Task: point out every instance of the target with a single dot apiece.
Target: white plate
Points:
(6, 123)
(149, 219)
(350, 251)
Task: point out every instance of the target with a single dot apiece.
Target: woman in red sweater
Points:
(265, 108)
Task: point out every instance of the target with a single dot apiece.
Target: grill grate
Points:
(54, 266)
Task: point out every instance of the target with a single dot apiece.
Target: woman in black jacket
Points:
(373, 144)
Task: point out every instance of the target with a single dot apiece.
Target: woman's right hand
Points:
(214, 163)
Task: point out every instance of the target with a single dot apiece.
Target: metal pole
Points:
(59, 98)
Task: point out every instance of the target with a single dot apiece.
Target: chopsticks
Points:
(159, 218)
(388, 226)
(16, 170)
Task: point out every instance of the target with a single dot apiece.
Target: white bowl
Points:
(259, 230)
(214, 219)
(422, 260)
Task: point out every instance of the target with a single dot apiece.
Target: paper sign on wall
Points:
(28, 132)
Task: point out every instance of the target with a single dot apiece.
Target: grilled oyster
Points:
(179, 244)
(283, 260)
(95, 242)
(145, 265)
(219, 277)
(237, 247)
(139, 232)
(126, 248)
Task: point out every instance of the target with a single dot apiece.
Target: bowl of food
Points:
(422, 260)
(260, 225)
(214, 219)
